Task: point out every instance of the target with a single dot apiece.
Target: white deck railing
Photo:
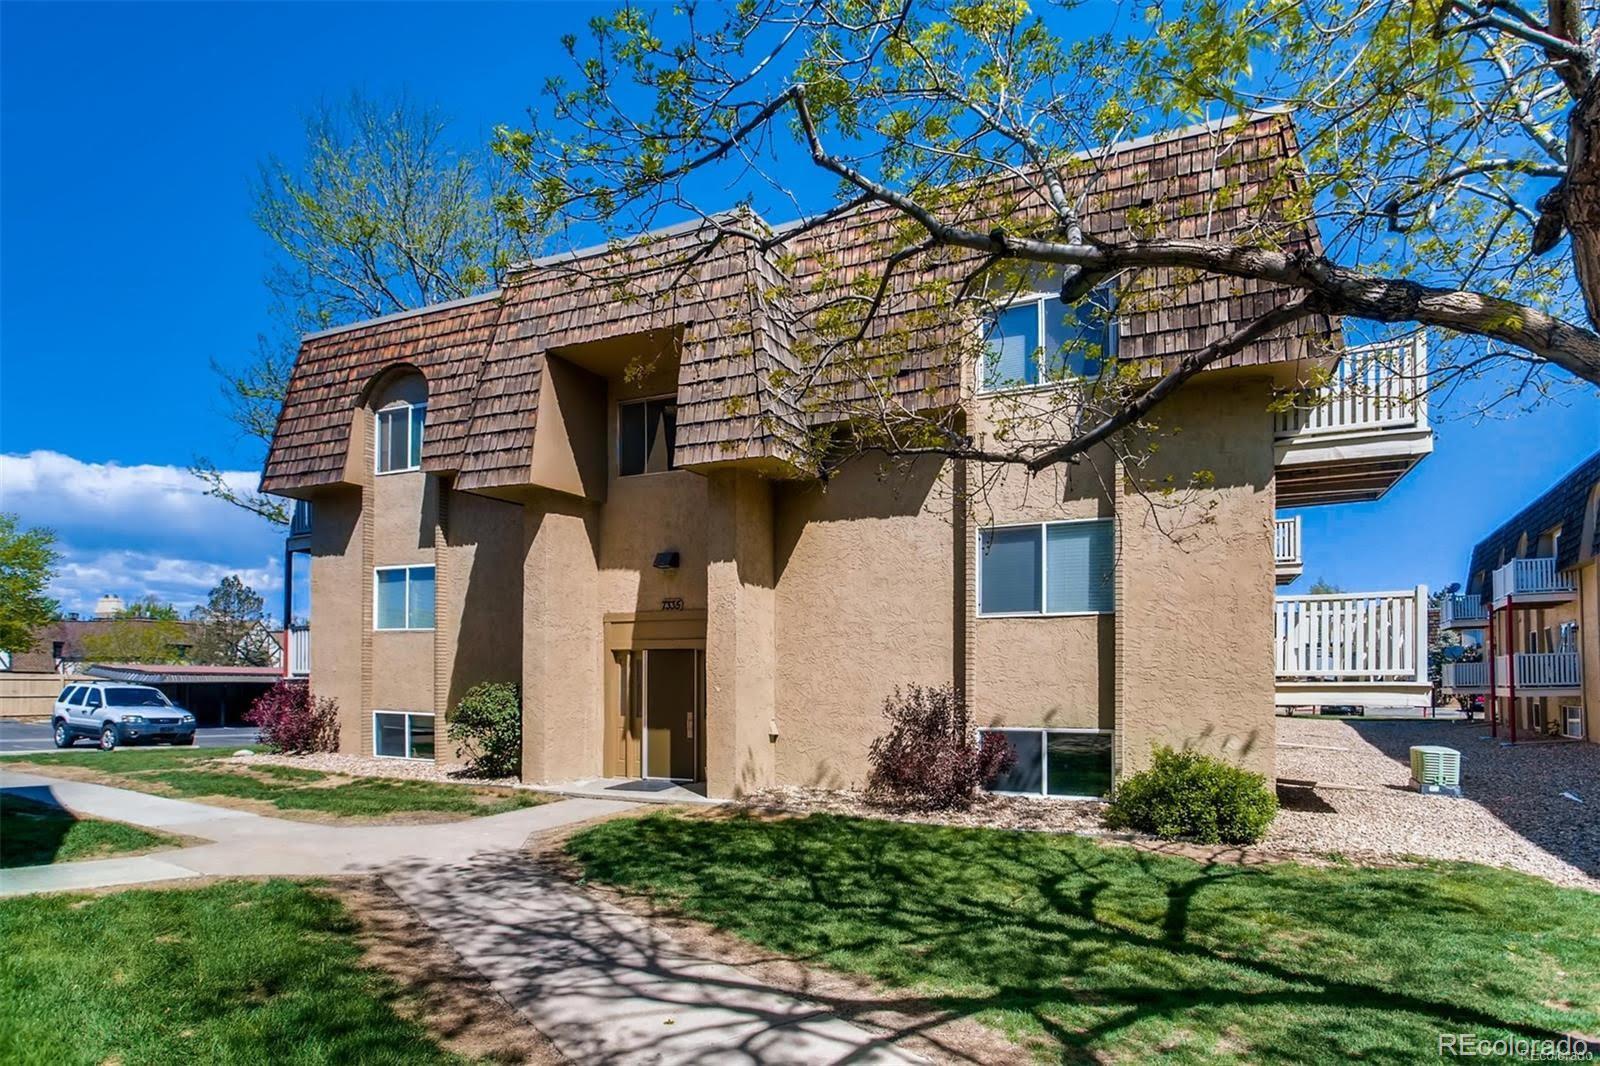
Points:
(1521, 577)
(1465, 676)
(1541, 669)
(1286, 541)
(1368, 636)
(1374, 387)
(1459, 610)
(299, 651)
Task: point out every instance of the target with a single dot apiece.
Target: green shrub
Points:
(1190, 796)
(487, 727)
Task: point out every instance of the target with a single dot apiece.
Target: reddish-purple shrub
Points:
(931, 757)
(291, 720)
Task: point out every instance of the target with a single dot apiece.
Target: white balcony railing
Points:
(1541, 669)
(1526, 577)
(1465, 677)
(1370, 636)
(1463, 611)
(1374, 387)
(1286, 541)
(299, 651)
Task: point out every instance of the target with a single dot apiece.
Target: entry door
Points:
(672, 682)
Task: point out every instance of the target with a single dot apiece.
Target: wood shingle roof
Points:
(746, 321)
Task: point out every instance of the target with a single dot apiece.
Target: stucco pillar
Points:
(1195, 585)
(562, 685)
(741, 655)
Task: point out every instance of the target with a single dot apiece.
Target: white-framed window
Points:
(1061, 763)
(402, 597)
(1035, 340)
(1047, 568)
(402, 734)
(398, 428)
(1572, 721)
(647, 432)
(1567, 637)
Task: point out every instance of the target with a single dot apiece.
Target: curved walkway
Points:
(601, 983)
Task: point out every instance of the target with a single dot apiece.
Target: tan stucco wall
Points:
(341, 596)
(741, 636)
(1194, 618)
(866, 601)
(404, 516)
(562, 682)
(1588, 617)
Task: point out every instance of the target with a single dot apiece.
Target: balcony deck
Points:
(1367, 648)
(1287, 563)
(1525, 582)
(1363, 432)
(1465, 679)
(1538, 673)
(299, 651)
(1464, 612)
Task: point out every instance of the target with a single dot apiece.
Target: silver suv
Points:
(119, 713)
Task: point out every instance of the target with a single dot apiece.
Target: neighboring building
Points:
(215, 695)
(1533, 596)
(601, 499)
(60, 646)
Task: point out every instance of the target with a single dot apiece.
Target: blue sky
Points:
(129, 262)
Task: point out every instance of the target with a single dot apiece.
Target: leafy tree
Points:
(136, 639)
(383, 216)
(27, 563)
(233, 631)
(150, 607)
(1323, 587)
(1449, 162)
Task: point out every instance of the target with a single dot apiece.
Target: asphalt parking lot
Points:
(17, 737)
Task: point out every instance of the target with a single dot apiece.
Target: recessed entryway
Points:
(655, 696)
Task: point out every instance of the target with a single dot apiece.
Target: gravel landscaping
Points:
(1359, 807)
(370, 766)
(1512, 814)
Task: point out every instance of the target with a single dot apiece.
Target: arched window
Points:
(401, 407)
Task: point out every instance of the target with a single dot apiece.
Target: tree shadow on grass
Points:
(1101, 948)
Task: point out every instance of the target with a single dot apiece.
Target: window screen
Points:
(1079, 562)
(1078, 764)
(404, 597)
(1013, 348)
(646, 435)
(389, 734)
(415, 453)
(1009, 571)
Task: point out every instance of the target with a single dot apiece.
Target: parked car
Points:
(116, 713)
(1345, 708)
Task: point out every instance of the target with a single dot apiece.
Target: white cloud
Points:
(140, 530)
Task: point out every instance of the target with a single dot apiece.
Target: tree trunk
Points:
(1582, 194)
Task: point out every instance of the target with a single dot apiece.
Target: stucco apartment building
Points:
(1532, 605)
(603, 499)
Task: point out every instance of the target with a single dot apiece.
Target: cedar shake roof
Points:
(1566, 504)
(744, 320)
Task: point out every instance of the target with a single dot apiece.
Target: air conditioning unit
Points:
(1436, 771)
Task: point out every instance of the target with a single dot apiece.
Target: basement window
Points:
(646, 432)
(1047, 568)
(402, 597)
(402, 735)
(1036, 340)
(1061, 763)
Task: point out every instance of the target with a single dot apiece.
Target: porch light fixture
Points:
(666, 560)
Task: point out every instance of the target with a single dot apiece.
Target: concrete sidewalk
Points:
(246, 844)
(605, 986)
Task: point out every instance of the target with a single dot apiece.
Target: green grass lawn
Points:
(1086, 950)
(237, 972)
(198, 774)
(34, 834)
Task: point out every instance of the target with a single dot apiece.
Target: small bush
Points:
(487, 726)
(292, 721)
(1187, 795)
(930, 757)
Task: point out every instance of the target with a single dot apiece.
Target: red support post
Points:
(1511, 664)
(1493, 704)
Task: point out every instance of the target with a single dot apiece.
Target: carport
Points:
(215, 695)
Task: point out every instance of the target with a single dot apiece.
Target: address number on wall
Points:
(674, 604)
